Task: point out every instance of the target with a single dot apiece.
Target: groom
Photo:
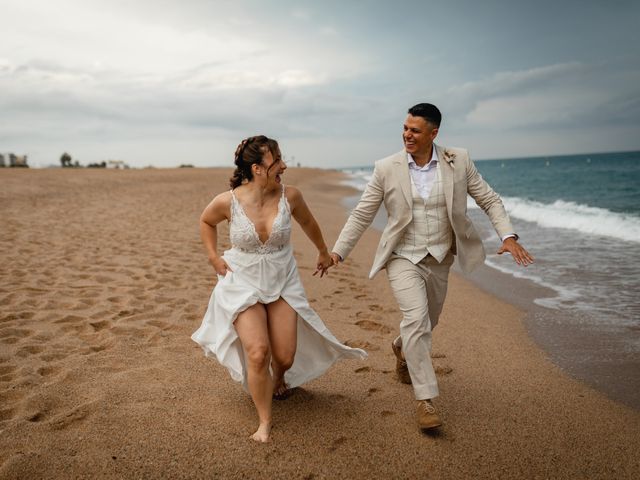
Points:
(424, 188)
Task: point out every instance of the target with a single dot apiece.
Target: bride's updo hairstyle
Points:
(251, 151)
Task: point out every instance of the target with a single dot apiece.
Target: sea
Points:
(579, 215)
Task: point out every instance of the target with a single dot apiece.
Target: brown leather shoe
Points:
(402, 371)
(427, 415)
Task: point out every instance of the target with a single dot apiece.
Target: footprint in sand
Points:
(158, 324)
(337, 396)
(70, 319)
(36, 417)
(362, 369)
(103, 279)
(74, 328)
(372, 390)
(64, 420)
(387, 413)
(442, 369)
(100, 325)
(336, 443)
(6, 414)
(362, 344)
(15, 332)
(29, 350)
(438, 355)
(48, 371)
(29, 303)
(372, 326)
(100, 348)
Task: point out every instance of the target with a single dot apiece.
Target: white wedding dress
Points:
(264, 272)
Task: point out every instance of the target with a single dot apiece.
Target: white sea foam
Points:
(574, 216)
(565, 296)
(358, 178)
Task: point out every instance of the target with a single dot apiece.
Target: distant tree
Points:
(65, 160)
(2, 164)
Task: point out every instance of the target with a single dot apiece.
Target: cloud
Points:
(532, 110)
(466, 96)
(567, 95)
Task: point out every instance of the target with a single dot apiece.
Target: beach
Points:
(103, 280)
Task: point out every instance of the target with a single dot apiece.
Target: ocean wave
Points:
(358, 179)
(574, 216)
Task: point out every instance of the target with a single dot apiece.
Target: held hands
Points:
(323, 263)
(220, 266)
(517, 251)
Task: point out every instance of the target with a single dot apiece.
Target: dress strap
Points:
(234, 205)
(284, 200)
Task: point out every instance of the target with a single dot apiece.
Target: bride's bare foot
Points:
(281, 390)
(262, 434)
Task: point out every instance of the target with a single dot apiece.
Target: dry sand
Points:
(103, 279)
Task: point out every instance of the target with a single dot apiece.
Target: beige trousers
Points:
(420, 291)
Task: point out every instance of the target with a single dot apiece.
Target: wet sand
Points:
(103, 280)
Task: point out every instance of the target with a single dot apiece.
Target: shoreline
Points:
(590, 353)
(105, 279)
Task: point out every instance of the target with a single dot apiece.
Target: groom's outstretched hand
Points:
(335, 258)
(517, 251)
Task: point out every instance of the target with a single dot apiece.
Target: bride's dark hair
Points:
(251, 151)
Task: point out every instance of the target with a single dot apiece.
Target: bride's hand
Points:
(323, 263)
(220, 266)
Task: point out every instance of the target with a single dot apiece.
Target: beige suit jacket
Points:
(391, 184)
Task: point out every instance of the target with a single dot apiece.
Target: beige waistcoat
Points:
(430, 230)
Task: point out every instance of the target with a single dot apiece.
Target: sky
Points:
(164, 83)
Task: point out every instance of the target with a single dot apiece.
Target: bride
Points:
(259, 324)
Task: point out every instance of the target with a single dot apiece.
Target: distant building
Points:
(18, 161)
(117, 164)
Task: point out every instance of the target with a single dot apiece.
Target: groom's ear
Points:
(434, 132)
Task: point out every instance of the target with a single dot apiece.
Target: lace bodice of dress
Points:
(242, 231)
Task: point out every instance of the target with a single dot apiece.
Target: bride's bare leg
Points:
(283, 322)
(252, 329)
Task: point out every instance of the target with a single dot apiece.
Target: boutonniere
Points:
(449, 157)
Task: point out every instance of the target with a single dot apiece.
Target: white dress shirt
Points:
(423, 177)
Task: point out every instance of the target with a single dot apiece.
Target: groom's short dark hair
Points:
(427, 111)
